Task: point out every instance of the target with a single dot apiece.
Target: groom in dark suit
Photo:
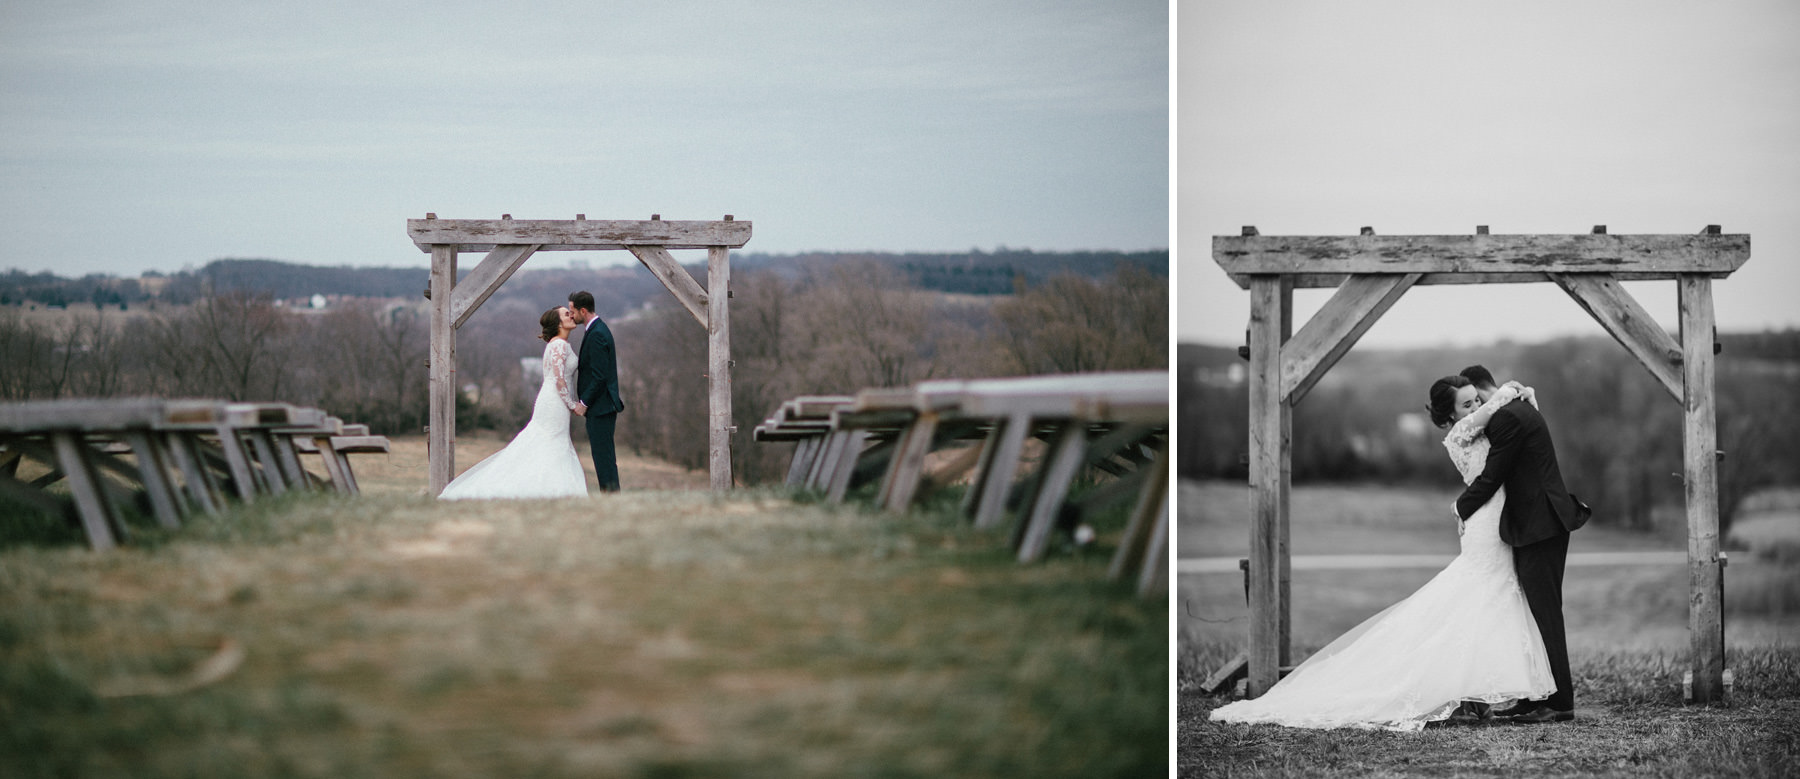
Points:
(597, 386)
(1536, 521)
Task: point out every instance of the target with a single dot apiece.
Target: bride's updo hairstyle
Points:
(551, 321)
(1443, 398)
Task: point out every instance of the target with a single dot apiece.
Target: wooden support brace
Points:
(683, 286)
(1699, 453)
(1352, 310)
(494, 270)
(997, 480)
(844, 471)
(153, 473)
(1066, 455)
(91, 502)
(1619, 313)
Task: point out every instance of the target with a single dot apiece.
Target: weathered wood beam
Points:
(718, 361)
(1334, 280)
(576, 234)
(1270, 420)
(1581, 253)
(1350, 312)
(441, 434)
(680, 284)
(1628, 323)
(494, 270)
(1699, 447)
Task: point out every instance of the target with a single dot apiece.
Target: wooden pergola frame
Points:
(509, 242)
(1371, 272)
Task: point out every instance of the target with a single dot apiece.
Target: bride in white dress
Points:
(540, 461)
(1466, 635)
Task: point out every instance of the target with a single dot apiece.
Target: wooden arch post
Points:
(1371, 272)
(509, 243)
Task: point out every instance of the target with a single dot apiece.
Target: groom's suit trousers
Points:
(600, 442)
(1540, 570)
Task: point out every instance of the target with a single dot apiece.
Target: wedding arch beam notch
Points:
(510, 242)
(1370, 272)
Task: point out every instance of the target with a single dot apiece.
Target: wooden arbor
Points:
(510, 242)
(1371, 272)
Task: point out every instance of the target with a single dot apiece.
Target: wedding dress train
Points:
(540, 461)
(1466, 635)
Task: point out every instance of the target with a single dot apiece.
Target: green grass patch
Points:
(640, 634)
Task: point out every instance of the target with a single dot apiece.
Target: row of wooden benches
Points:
(185, 456)
(1112, 422)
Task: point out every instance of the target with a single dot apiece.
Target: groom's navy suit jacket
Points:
(597, 372)
(1523, 459)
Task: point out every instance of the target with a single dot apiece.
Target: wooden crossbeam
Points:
(1352, 310)
(575, 234)
(1625, 256)
(1619, 313)
(494, 270)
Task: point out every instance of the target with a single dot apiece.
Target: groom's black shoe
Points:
(1543, 715)
(1522, 707)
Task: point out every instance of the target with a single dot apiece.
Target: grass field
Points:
(655, 633)
(1627, 637)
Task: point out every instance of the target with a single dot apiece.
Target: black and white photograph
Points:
(1486, 386)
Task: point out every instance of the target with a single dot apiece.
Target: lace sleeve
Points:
(556, 360)
(1463, 435)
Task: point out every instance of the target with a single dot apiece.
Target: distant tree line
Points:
(834, 328)
(1618, 433)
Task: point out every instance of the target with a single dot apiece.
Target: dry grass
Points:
(638, 634)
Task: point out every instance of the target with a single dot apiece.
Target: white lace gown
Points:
(540, 461)
(1466, 635)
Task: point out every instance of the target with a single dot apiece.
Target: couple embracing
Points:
(1486, 630)
(540, 461)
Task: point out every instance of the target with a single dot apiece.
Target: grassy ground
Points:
(1627, 635)
(649, 633)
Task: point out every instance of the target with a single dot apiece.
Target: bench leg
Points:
(97, 517)
(902, 482)
(845, 468)
(193, 473)
(1134, 546)
(1066, 456)
(996, 479)
(153, 472)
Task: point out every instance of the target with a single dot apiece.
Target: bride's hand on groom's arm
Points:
(580, 409)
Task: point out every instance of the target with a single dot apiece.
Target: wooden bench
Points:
(1117, 422)
(185, 455)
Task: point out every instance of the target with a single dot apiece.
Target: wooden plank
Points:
(1066, 455)
(1699, 454)
(1134, 545)
(1153, 579)
(441, 431)
(494, 270)
(181, 448)
(1233, 670)
(237, 462)
(153, 473)
(91, 503)
(1284, 614)
(824, 466)
(1619, 313)
(908, 465)
(983, 467)
(269, 469)
(804, 449)
(843, 472)
(334, 469)
(1576, 253)
(576, 234)
(998, 480)
(1333, 280)
(1269, 447)
(675, 278)
(718, 370)
(1350, 312)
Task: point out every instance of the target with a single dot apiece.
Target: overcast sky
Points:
(1319, 118)
(149, 134)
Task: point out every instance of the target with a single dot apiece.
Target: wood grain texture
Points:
(1628, 257)
(718, 372)
(575, 234)
(1699, 447)
(441, 440)
(1269, 450)
(686, 290)
(494, 270)
(1350, 312)
(1619, 313)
